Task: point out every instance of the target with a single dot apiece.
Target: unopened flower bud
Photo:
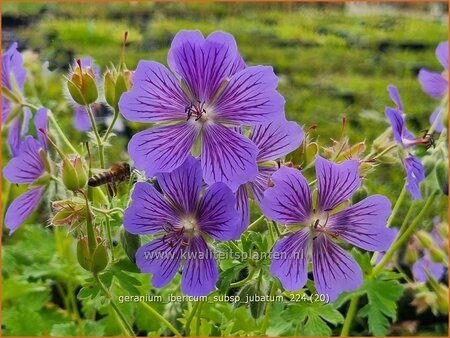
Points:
(437, 255)
(425, 239)
(130, 243)
(73, 174)
(442, 175)
(442, 298)
(115, 85)
(411, 254)
(82, 86)
(95, 262)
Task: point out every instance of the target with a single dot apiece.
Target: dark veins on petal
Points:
(334, 188)
(223, 150)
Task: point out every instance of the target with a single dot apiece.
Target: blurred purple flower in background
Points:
(273, 140)
(363, 224)
(433, 83)
(209, 90)
(182, 217)
(28, 167)
(415, 172)
(13, 74)
(425, 267)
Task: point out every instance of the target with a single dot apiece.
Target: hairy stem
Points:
(191, 316)
(266, 319)
(97, 136)
(111, 126)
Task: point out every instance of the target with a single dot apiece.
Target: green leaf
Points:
(91, 328)
(22, 321)
(61, 330)
(383, 296)
(315, 317)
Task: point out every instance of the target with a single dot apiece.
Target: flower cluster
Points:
(218, 139)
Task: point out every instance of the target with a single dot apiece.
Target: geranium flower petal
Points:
(439, 124)
(442, 54)
(203, 64)
(261, 183)
(290, 260)
(289, 201)
(243, 209)
(182, 186)
(156, 95)
(21, 208)
(17, 130)
(81, 119)
(27, 166)
(148, 212)
(217, 215)
(251, 98)
(200, 273)
(395, 97)
(334, 270)
(162, 149)
(336, 182)
(227, 156)
(364, 224)
(276, 139)
(415, 173)
(12, 63)
(162, 258)
(434, 84)
(425, 266)
(40, 122)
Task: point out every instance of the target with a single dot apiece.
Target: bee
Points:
(117, 173)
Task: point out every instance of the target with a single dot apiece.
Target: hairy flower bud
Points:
(69, 212)
(73, 174)
(411, 254)
(116, 83)
(359, 195)
(442, 298)
(82, 86)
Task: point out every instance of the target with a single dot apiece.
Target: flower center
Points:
(427, 140)
(197, 111)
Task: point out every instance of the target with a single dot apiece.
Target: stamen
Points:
(195, 109)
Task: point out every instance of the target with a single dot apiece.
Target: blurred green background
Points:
(333, 60)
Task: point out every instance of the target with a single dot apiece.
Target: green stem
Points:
(235, 247)
(349, 317)
(97, 136)
(385, 151)
(266, 319)
(111, 126)
(255, 223)
(108, 232)
(61, 134)
(197, 324)
(127, 329)
(161, 319)
(403, 237)
(406, 219)
(397, 206)
(243, 281)
(191, 316)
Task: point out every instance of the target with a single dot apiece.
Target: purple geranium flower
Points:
(273, 140)
(436, 84)
(210, 88)
(415, 172)
(425, 267)
(81, 119)
(363, 224)
(183, 218)
(12, 66)
(26, 168)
